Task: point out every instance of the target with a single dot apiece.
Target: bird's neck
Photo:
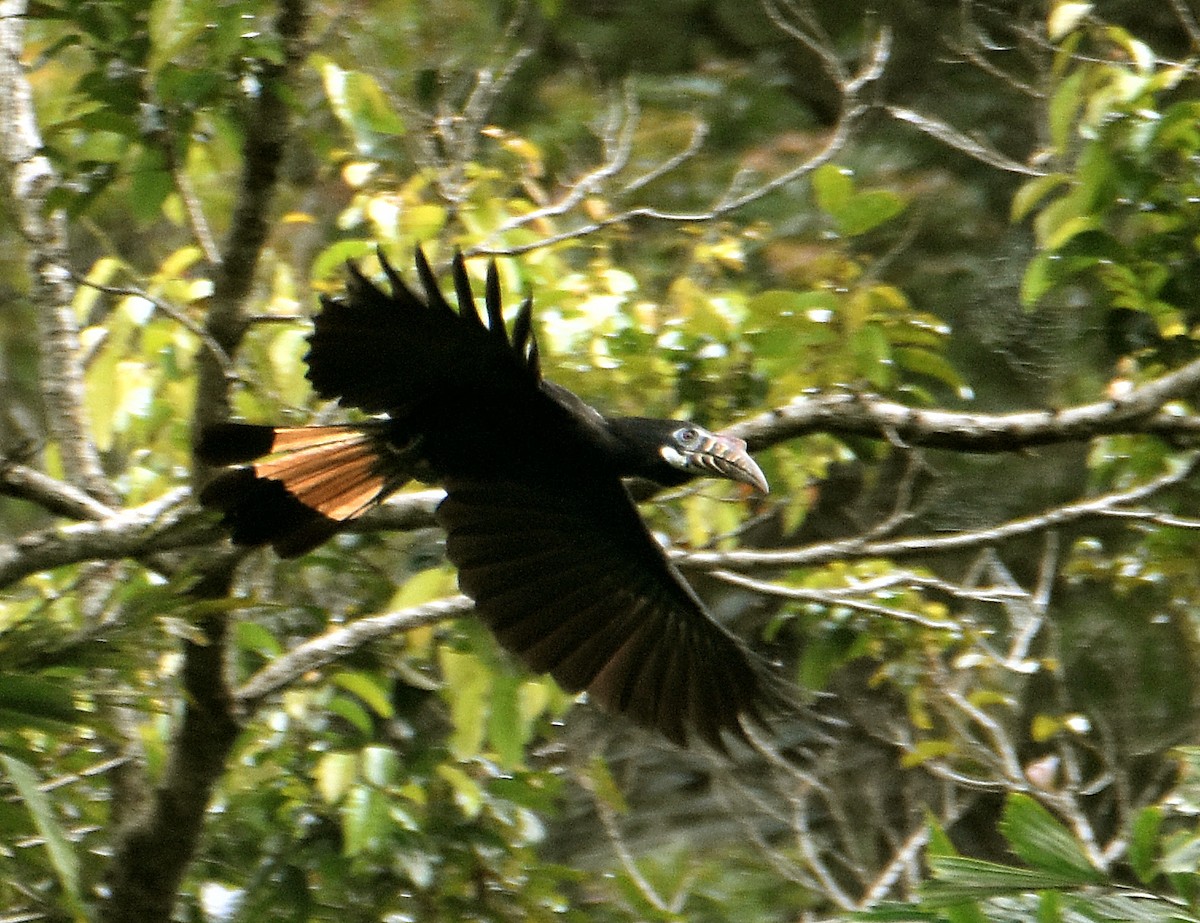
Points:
(636, 448)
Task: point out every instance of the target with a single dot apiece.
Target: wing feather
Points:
(573, 584)
(391, 351)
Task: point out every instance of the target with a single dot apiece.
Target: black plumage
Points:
(545, 536)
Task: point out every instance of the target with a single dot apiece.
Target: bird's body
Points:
(539, 524)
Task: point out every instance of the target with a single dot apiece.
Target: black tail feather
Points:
(234, 443)
(258, 511)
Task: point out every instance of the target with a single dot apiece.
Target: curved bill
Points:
(726, 456)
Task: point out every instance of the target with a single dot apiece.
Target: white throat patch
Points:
(674, 457)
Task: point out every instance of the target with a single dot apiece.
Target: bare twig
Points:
(767, 588)
(856, 547)
(169, 310)
(953, 138)
(732, 200)
(339, 643)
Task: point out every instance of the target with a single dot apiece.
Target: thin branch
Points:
(798, 21)
(608, 819)
(160, 525)
(174, 313)
(699, 133)
(340, 643)
(767, 588)
(837, 141)
(965, 144)
(196, 218)
(857, 547)
(905, 857)
(730, 201)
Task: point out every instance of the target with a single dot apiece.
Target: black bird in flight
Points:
(546, 539)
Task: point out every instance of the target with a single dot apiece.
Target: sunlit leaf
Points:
(468, 683)
(467, 793)
(334, 774)
(833, 187)
(1064, 17)
(370, 688)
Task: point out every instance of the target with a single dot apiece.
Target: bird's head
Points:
(672, 451)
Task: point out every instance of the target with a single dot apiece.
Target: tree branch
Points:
(853, 414)
(58, 497)
(165, 523)
(31, 179)
(732, 200)
(1110, 504)
(151, 852)
(341, 642)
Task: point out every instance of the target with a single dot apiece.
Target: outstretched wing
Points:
(569, 579)
(389, 351)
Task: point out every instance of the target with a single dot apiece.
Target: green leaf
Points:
(931, 365)
(506, 730)
(898, 913)
(1049, 907)
(467, 685)
(332, 260)
(1144, 843)
(1121, 908)
(833, 187)
(1064, 107)
(1038, 838)
(252, 636)
(365, 820)
(334, 774)
(61, 852)
(1041, 275)
(1182, 855)
(467, 793)
(867, 211)
(928, 750)
(370, 688)
(957, 879)
(939, 842)
(360, 105)
(38, 699)
(353, 713)
(149, 184)
(773, 304)
(380, 766)
(872, 355)
(1033, 191)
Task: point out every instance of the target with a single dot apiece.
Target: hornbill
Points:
(546, 539)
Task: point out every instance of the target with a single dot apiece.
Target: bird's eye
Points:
(688, 437)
